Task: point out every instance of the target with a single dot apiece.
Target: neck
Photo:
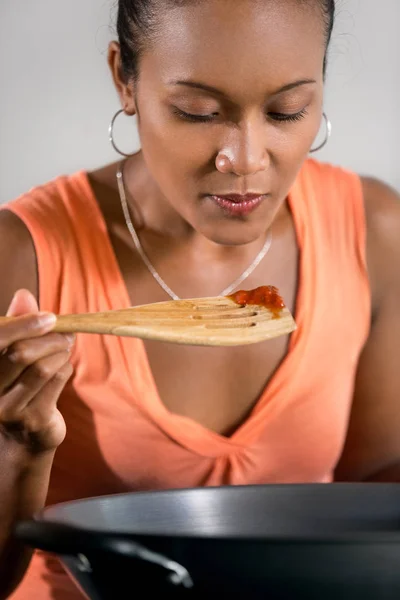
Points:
(148, 206)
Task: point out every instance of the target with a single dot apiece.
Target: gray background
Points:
(56, 96)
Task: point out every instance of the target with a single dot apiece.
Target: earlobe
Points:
(130, 108)
(124, 87)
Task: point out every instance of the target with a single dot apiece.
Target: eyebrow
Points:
(216, 91)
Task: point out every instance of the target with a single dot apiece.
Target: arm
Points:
(372, 448)
(25, 460)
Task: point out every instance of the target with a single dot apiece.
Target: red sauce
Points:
(266, 295)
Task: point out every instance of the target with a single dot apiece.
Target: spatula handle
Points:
(83, 323)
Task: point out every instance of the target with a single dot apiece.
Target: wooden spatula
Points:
(216, 321)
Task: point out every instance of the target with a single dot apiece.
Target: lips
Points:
(238, 198)
(237, 204)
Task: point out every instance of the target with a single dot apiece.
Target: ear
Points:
(125, 89)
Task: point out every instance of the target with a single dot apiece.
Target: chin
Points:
(228, 235)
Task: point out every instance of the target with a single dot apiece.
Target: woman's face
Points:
(229, 98)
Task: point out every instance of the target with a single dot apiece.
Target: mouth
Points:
(238, 204)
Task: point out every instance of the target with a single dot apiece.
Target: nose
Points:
(245, 152)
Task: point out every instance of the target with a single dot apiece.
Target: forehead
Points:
(238, 42)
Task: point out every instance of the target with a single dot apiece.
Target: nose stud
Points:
(223, 163)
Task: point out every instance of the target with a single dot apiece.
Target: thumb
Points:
(23, 302)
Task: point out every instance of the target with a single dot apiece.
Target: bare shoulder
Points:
(382, 209)
(18, 268)
(372, 448)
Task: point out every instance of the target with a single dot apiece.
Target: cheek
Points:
(296, 138)
(178, 144)
(175, 156)
(292, 147)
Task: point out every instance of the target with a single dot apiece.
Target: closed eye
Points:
(194, 118)
(275, 116)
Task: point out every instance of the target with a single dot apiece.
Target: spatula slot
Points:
(224, 316)
(237, 325)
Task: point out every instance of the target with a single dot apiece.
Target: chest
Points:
(216, 387)
(308, 392)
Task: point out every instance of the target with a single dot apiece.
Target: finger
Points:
(41, 425)
(40, 411)
(23, 354)
(23, 327)
(31, 382)
(23, 302)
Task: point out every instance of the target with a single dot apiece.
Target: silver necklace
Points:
(144, 257)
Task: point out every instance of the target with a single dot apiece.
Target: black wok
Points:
(275, 541)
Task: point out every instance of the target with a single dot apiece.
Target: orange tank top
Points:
(121, 437)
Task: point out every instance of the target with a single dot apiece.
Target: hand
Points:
(34, 368)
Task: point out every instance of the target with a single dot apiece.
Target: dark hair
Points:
(137, 22)
(328, 8)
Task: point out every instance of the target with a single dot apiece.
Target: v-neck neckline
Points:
(184, 430)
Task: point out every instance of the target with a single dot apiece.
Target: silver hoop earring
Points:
(327, 135)
(111, 134)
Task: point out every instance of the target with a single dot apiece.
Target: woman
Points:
(229, 100)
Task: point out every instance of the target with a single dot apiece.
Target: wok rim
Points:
(375, 536)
